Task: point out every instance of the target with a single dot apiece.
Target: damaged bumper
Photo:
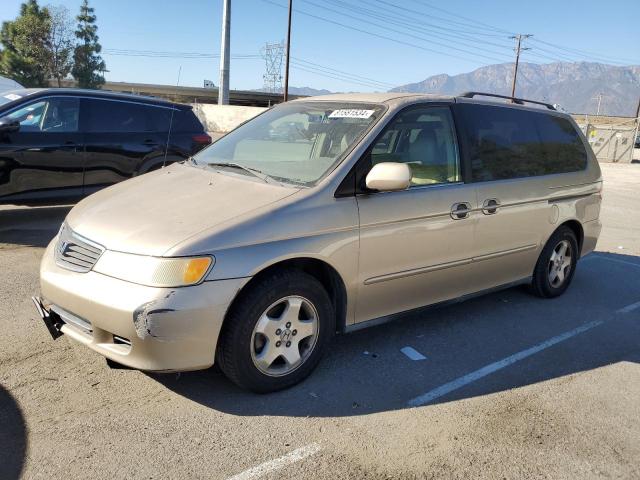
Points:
(147, 328)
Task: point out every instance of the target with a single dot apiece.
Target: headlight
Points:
(154, 271)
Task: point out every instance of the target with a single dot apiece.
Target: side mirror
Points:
(389, 177)
(7, 125)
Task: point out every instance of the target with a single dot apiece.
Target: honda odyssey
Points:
(256, 251)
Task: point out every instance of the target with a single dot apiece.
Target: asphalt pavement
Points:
(501, 386)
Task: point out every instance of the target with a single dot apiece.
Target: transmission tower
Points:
(273, 54)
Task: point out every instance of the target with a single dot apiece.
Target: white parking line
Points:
(277, 463)
(412, 353)
(616, 260)
(494, 367)
(629, 308)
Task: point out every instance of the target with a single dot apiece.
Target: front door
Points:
(44, 159)
(415, 244)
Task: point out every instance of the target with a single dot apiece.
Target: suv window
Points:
(186, 121)
(509, 143)
(424, 138)
(50, 115)
(112, 116)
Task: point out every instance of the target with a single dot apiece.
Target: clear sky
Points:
(388, 42)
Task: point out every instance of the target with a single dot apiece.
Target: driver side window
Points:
(423, 138)
(51, 115)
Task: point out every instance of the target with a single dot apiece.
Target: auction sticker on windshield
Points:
(351, 113)
(12, 96)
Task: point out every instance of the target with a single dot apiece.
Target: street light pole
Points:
(286, 65)
(223, 89)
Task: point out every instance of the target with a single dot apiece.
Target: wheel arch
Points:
(325, 273)
(577, 229)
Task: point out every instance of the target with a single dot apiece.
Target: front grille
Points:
(76, 253)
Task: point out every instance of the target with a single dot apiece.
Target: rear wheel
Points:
(556, 265)
(276, 332)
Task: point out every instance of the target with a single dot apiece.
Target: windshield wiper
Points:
(253, 171)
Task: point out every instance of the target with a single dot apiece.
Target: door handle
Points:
(150, 142)
(490, 206)
(460, 210)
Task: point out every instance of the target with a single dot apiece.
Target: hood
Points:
(151, 213)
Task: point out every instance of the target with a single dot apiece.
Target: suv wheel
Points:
(275, 334)
(556, 264)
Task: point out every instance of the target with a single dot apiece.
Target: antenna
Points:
(166, 147)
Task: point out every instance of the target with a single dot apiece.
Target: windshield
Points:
(295, 142)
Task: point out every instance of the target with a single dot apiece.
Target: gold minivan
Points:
(322, 215)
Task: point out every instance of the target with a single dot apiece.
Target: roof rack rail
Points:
(519, 101)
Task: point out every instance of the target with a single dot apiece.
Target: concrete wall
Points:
(224, 118)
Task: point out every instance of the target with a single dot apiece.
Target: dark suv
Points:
(59, 145)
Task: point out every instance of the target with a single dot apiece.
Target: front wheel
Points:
(275, 333)
(556, 265)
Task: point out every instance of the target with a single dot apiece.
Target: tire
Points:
(561, 265)
(259, 338)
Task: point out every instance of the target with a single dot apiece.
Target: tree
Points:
(25, 46)
(61, 42)
(88, 65)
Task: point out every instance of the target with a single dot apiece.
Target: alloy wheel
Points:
(560, 264)
(284, 336)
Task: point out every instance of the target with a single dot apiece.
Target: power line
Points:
(423, 27)
(338, 76)
(589, 55)
(309, 66)
(384, 37)
(348, 74)
(486, 25)
(163, 54)
(476, 30)
(384, 27)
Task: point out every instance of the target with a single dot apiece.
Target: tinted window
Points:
(183, 120)
(563, 147)
(50, 115)
(160, 118)
(423, 138)
(107, 116)
(512, 143)
(186, 121)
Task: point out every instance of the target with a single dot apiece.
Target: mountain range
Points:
(575, 86)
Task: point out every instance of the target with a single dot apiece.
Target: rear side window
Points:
(183, 121)
(509, 143)
(108, 116)
(186, 121)
(563, 146)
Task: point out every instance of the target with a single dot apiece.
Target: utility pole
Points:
(637, 128)
(599, 98)
(286, 65)
(223, 90)
(518, 49)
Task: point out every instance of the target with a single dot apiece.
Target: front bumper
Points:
(146, 328)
